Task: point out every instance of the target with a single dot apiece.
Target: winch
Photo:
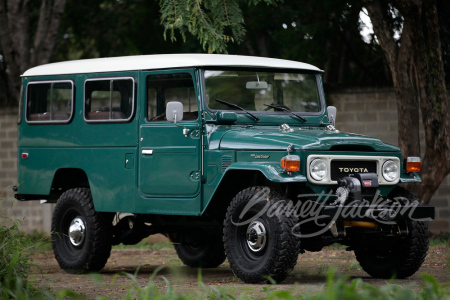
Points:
(354, 186)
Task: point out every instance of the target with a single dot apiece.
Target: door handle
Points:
(147, 152)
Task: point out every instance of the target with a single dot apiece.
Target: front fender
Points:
(271, 170)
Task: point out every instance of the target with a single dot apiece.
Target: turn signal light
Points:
(291, 163)
(413, 164)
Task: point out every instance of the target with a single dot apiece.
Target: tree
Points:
(213, 22)
(418, 75)
(23, 46)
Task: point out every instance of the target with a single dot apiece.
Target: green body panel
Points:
(125, 177)
(270, 170)
(99, 150)
(169, 179)
(112, 190)
(410, 178)
(305, 139)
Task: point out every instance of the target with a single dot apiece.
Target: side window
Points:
(49, 101)
(109, 99)
(165, 88)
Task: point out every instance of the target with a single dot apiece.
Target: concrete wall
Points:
(34, 216)
(368, 112)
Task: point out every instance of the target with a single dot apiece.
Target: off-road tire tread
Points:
(98, 242)
(212, 256)
(287, 249)
(409, 253)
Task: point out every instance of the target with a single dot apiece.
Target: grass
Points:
(334, 289)
(16, 258)
(442, 239)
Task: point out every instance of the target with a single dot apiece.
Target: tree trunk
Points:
(18, 53)
(434, 103)
(417, 72)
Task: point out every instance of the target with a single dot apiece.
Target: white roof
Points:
(162, 61)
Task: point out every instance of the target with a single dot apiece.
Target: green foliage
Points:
(442, 239)
(214, 23)
(335, 289)
(16, 254)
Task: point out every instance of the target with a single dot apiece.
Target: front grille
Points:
(341, 169)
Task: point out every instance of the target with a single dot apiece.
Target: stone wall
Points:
(368, 112)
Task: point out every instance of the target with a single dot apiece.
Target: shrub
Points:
(16, 253)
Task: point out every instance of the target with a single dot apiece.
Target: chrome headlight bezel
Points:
(324, 168)
(389, 166)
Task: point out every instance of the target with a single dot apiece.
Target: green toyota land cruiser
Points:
(228, 156)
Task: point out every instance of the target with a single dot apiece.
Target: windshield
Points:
(262, 91)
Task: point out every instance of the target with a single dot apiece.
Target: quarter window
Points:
(110, 99)
(49, 101)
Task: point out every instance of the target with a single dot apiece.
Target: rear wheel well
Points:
(68, 178)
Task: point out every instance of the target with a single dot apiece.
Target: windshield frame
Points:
(316, 74)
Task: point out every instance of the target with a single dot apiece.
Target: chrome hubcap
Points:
(256, 236)
(77, 231)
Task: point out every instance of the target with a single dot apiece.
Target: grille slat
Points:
(226, 162)
(341, 169)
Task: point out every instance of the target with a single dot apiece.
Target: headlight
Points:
(390, 170)
(318, 169)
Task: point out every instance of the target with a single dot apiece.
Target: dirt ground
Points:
(308, 276)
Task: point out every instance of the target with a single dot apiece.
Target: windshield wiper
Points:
(238, 107)
(285, 109)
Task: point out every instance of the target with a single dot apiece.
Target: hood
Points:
(304, 139)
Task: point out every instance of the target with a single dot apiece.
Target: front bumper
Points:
(376, 213)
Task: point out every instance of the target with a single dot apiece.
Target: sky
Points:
(367, 28)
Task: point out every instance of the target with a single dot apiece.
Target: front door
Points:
(169, 164)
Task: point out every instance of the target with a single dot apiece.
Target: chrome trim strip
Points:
(328, 158)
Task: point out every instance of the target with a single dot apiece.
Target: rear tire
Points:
(208, 253)
(266, 245)
(81, 237)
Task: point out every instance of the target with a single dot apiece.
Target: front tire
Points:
(81, 237)
(401, 257)
(264, 246)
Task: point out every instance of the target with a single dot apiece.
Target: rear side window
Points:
(49, 101)
(109, 99)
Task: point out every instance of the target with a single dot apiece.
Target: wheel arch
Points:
(241, 175)
(68, 178)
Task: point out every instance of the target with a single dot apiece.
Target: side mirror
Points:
(174, 112)
(331, 110)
